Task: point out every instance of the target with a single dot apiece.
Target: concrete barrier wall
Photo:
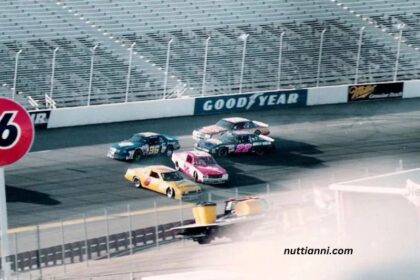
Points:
(109, 113)
(327, 95)
(142, 110)
(411, 89)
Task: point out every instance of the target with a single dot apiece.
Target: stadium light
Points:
(280, 57)
(15, 76)
(400, 27)
(53, 72)
(320, 56)
(91, 73)
(130, 60)
(203, 87)
(168, 53)
(359, 49)
(244, 38)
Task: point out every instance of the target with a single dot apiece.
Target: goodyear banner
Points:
(250, 101)
(375, 91)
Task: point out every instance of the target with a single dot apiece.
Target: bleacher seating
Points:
(75, 26)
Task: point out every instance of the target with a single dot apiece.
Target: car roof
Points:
(236, 119)
(161, 168)
(198, 153)
(148, 134)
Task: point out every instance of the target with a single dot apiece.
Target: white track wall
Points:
(142, 110)
(121, 112)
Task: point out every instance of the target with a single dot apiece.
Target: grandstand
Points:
(74, 27)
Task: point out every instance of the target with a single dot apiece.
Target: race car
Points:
(143, 144)
(231, 124)
(200, 166)
(236, 143)
(162, 179)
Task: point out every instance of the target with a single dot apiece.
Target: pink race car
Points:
(201, 166)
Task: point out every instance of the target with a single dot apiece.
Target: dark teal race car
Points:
(143, 144)
(237, 142)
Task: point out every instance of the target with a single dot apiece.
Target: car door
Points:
(189, 165)
(163, 144)
(154, 145)
(244, 145)
(249, 126)
(152, 181)
(238, 126)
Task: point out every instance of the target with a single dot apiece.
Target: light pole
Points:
(280, 56)
(359, 50)
(168, 53)
(244, 38)
(15, 76)
(130, 60)
(320, 56)
(400, 27)
(53, 72)
(203, 87)
(91, 73)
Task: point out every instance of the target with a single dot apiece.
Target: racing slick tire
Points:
(169, 151)
(138, 154)
(170, 192)
(257, 132)
(259, 151)
(223, 152)
(204, 240)
(137, 183)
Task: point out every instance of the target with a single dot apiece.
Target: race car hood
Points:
(209, 143)
(185, 186)
(211, 129)
(213, 169)
(124, 145)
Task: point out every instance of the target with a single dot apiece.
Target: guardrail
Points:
(109, 113)
(95, 248)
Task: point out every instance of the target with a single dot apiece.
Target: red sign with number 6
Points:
(16, 131)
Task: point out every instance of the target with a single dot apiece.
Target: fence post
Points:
(156, 224)
(130, 234)
(38, 257)
(86, 239)
(16, 256)
(107, 233)
(63, 247)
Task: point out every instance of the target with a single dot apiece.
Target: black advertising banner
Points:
(375, 91)
(40, 118)
(250, 101)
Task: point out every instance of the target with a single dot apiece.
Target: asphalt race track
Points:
(67, 173)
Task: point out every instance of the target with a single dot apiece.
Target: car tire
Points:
(223, 152)
(259, 151)
(138, 154)
(204, 240)
(137, 183)
(258, 132)
(169, 151)
(170, 192)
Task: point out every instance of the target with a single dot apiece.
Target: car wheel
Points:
(137, 183)
(176, 165)
(257, 132)
(137, 155)
(222, 152)
(169, 151)
(259, 151)
(195, 177)
(170, 192)
(204, 240)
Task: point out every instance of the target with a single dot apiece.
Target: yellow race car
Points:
(162, 179)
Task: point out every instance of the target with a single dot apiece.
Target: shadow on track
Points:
(14, 194)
